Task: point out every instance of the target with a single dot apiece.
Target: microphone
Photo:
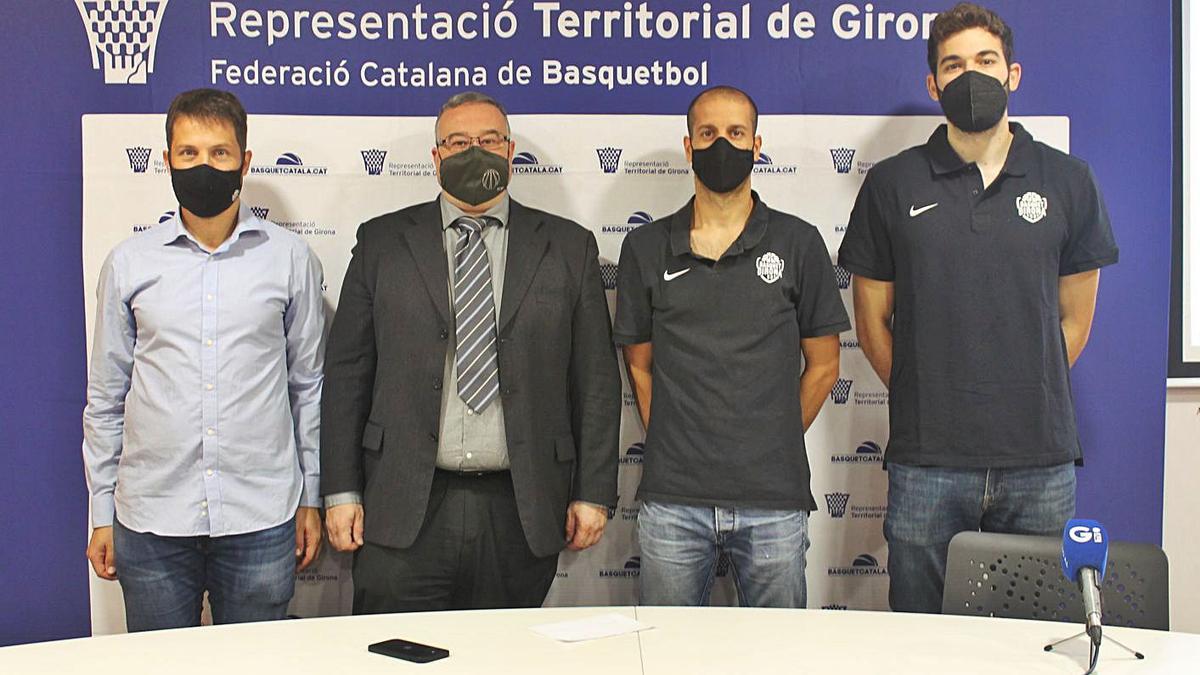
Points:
(1084, 557)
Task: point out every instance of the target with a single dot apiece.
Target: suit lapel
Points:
(426, 242)
(527, 244)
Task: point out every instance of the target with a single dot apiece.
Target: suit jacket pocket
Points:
(564, 449)
(372, 438)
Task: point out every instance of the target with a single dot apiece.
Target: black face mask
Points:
(206, 191)
(721, 166)
(474, 175)
(974, 102)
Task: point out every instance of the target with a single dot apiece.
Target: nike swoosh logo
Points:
(913, 211)
(667, 276)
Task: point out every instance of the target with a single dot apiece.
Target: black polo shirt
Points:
(726, 427)
(979, 365)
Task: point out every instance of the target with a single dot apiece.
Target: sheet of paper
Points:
(590, 628)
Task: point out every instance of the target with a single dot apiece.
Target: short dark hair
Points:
(724, 90)
(463, 98)
(211, 105)
(966, 15)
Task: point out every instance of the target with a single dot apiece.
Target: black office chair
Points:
(1020, 577)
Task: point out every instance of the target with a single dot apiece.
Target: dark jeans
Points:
(927, 506)
(249, 577)
(471, 553)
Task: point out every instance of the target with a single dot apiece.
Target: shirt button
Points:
(209, 387)
(470, 412)
(469, 455)
(975, 192)
(204, 503)
(210, 431)
(209, 297)
(208, 342)
(209, 472)
(444, 334)
(433, 437)
(204, 513)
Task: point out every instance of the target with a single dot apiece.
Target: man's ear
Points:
(687, 148)
(246, 157)
(1014, 77)
(931, 87)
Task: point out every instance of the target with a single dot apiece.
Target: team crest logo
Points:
(770, 267)
(1032, 206)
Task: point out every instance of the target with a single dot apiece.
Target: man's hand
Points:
(585, 524)
(100, 553)
(308, 536)
(344, 523)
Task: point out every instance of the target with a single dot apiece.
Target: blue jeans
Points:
(249, 577)
(927, 506)
(682, 544)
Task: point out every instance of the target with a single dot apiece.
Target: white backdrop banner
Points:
(320, 176)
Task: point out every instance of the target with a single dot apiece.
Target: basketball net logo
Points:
(610, 159)
(373, 161)
(139, 158)
(122, 35)
(490, 179)
(843, 159)
(837, 503)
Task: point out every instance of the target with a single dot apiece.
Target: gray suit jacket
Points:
(387, 348)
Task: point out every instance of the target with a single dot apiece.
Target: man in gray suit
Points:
(472, 397)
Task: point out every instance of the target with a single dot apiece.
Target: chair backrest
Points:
(1020, 577)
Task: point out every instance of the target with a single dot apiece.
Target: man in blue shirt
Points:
(203, 412)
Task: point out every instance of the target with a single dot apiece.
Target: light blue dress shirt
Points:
(203, 410)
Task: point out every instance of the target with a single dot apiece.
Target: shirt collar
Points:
(756, 227)
(944, 159)
(451, 213)
(246, 222)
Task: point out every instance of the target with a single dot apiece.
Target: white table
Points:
(683, 642)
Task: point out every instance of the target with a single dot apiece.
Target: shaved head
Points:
(723, 91)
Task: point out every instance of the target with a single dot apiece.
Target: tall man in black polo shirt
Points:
(714, 306)
(976, 259)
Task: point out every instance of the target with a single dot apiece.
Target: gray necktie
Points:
(474, 316)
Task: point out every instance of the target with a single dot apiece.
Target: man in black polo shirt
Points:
(976, 259)
(714, 306)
